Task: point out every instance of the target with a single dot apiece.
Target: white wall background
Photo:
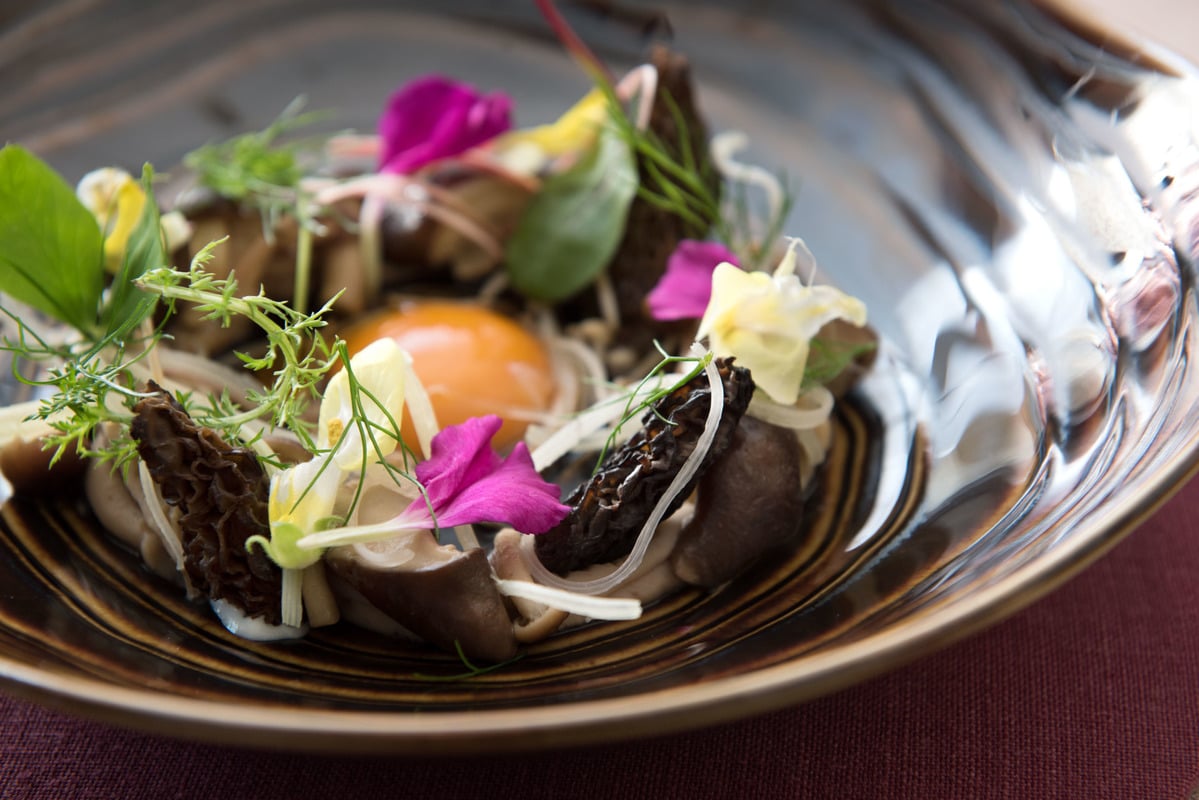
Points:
(1172, 23)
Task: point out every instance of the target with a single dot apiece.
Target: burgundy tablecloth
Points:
(1091, 693)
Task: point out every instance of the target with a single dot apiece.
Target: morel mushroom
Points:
(609, 510)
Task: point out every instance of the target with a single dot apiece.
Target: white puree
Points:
(235, 620)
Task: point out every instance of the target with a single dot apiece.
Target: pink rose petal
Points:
(686, 287)
(467, 482)
(433, 118)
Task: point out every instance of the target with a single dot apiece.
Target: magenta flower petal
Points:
(461, 454)
(467, 482)
(686, 287)
(433, 118)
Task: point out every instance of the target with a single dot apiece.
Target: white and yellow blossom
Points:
(380, 372)
(301, 501)
(303, 496)
(767, 322)
(116, 199)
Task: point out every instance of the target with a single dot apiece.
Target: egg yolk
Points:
(471, 360)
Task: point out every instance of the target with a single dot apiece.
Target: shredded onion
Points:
(581, 427)
(162, 526)
(811, 411)
(608, 608)
(348, 145)
(491, 290)
(388, 553)
(589, 367)
(291, 605)
(677, 485)
(813, 443)
(605, 298)
(569, 394)
(724, 147)
(465, 534)
(370, 238)
(644, 81)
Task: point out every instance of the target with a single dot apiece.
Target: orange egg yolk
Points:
(471, 360)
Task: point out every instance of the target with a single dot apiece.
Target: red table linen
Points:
(1092, 692)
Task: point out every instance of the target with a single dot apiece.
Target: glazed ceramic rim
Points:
(591, 721)
(645, 714)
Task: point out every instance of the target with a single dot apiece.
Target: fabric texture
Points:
(1092, 692)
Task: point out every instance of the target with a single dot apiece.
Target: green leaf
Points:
(128, 305)
(52, 251)
(828, 358)
(573, 226)
(254, 162)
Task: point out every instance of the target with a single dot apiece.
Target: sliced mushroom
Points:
(24, 461)
(245, 252)
(534, 621)
(444, 595)
(26, 464)
(495, 207)
(748, 503)
(343, 272)
(119, 505)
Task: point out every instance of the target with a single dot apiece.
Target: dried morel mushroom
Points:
(222, 493)
(609, 509)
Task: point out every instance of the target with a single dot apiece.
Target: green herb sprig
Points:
(361, 399)
(257, 167)
(92, 387)
(472, 670)
(296, 352)
(681, 185)
(637, 402)
(260, 170)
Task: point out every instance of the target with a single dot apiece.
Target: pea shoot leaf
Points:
(573, 226)
(52, 253)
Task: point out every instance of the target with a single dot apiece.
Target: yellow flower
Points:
(116, 200)
(767, 322)
(303, 496)
(529, 149)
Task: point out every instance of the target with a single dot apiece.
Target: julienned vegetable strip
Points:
(589, 606)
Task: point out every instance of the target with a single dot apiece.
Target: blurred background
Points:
(1172, 23)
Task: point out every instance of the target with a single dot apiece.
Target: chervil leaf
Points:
(254, 162)
(574, 224)
(53, 251)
